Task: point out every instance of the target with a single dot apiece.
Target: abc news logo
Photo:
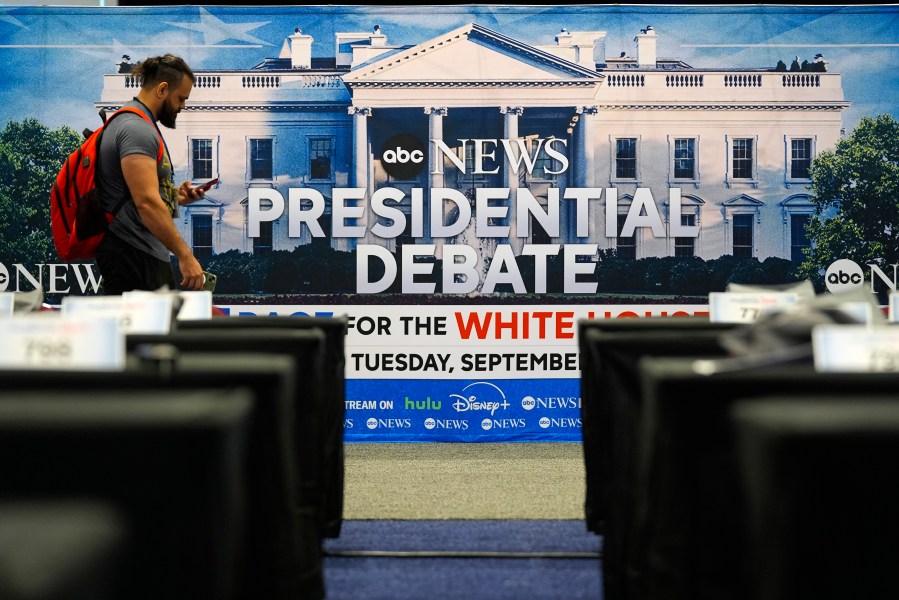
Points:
(844, 275)
(403, 156)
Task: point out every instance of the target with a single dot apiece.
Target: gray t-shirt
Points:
(130, 134)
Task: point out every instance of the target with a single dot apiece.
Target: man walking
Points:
(134, 254)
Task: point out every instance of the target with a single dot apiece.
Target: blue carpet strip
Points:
(465, 539)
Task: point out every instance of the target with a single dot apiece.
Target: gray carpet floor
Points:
(464, 481)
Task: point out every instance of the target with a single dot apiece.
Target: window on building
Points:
(325, 223)
(539, 235)
(742, 231)
(201, 159)
(685, 158)
(800, 158)
(543, 163)
(626, 247)
(798, 237)
(202, 236)
(261, 158)
(626, 158)
(263, 243)
(470, 165)
(743, 159)
(486, 164)
(405, 238)
(320, 158)
(685, 246)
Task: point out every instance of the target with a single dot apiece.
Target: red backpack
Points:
(77, 218)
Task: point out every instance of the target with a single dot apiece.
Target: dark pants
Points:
(124, 268)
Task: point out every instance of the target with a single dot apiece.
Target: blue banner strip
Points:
(439, 410)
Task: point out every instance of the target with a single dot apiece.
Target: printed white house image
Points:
(602, 133)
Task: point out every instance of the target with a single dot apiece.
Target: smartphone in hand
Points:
(208, 185)
(209, 281)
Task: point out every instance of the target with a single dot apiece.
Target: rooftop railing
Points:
(615, 87)
(720, 86)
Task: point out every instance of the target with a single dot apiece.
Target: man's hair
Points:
(168, 68)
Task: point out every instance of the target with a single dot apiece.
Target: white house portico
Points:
(471, 88)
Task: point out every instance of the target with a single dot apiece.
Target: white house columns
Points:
(360, 145)
(436, 115)
(361, 159)
(436, 176)
(585, 149)
(510, 177)
(584, 175)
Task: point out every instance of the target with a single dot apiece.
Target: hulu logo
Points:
(423, 404)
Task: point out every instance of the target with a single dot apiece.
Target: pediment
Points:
(743, 200)
(268, 203)
(801, 200)
(470, 53)
(687, 200)
(206, 202)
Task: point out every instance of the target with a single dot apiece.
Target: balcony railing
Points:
(211, 85)
(802, 80)
(721, 86)
(742, 80)
(633, 86)
(683, 80)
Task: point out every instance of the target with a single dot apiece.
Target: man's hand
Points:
(188, 193)
(191, 273)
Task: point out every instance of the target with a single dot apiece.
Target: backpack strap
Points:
(143, 115)
(159, 155)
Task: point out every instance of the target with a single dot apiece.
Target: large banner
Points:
(467, 182)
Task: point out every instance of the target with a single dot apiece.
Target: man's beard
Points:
(167, 116)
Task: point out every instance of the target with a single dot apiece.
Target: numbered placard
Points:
(7, 301)
(745, 307)
(855, 348)
(141, 313)
(55, 342)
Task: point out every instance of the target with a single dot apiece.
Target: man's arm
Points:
(143, 184)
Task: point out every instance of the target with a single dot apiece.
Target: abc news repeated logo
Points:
(403, 156)
(554, 403)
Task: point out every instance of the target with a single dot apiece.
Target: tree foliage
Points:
(30, 157)
(855, 190)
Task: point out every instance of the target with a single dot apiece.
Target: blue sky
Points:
(53, 58)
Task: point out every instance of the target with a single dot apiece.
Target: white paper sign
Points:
(7, 301)
(893, 308)
(54, 342)
(196, 305)
(745, 307)
(856, 348)
(863, 312)
(143, 313)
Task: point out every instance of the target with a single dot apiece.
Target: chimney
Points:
(646, 47)
(377, 38)
(587, 45)
(564, 38)
(300, 50)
